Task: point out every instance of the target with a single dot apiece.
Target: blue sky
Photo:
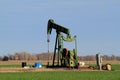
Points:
(23, 25)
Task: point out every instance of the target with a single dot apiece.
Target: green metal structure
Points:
(66, 58)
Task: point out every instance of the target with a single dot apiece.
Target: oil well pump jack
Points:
(65, 57)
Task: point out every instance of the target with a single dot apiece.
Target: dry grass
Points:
(45, 62)
(104, 62)
(17, 62)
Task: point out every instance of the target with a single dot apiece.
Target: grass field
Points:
(59, 75)
(62, 75)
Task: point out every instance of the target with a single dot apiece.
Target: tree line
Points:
(49, 56)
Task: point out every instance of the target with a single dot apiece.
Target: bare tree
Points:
(5, 58)
(49, 56)
(0, 58)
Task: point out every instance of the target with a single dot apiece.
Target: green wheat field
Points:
(62, 75)
(114, 74)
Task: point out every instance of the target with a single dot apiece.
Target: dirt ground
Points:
(40, 69)
(11, 69)
(24, 69)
